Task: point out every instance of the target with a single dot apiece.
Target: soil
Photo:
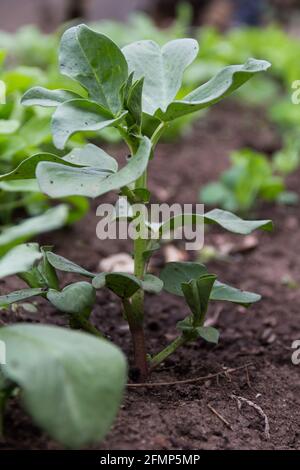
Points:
(181, 416)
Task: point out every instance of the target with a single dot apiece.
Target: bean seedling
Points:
(123, 89)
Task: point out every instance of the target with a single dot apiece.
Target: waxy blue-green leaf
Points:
(62, 264)
(225, 219)
(39, 96)
(175, 274)
(71, 382)
(19, 259)
(162, 69)
(80, 115)
(52, 219)
(122, 284)
(20, 295)
(197, 293)
(152, 284)
(26, 169)
(134, 101)
(235, 224)
(96, 62)
(91, 155)
(59, 181)
(208, 333)
(220, 86)
(78, 298)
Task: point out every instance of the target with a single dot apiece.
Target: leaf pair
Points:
(122, 84)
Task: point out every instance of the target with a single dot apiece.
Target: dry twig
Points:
(189, 381)
(258, 410)
(221, 418)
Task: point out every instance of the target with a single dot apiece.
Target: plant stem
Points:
(138, 339)
(81, 322)
(170, 349)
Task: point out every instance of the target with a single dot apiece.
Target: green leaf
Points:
(39, 96)
(231, 294)
(52, 219)
(59, 181)
(235, 224)
(62, 264)
(122, 284)
(152, 284)
(197, 293)
(91, 155)
(71, 382)
(19, 295)
(162, 69)
(19, 259)
(77, 298)
(210, 334)
(175, 274)
(80, 115)
(26, 169)
(134, 101)
(47, 271)
(96, 62)
(220, 86)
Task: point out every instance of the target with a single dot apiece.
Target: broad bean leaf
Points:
(220, 86)
(26, 169)
(152, 284)
(71, 382)
(208, 333)
(39, 96)
(58, 181)
(235, 224)
(62, 264)
(19, 259)
(20, 295)
(162, 69)
(77, 298)
(122, 284)
(96, 62)
(47, 271)
(80, 115)
(197, 293)
(91, 155)
(225, 219)
(175, 274)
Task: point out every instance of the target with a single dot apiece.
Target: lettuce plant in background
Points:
(123, 89)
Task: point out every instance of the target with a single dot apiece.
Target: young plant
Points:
(253, 177)
(124, 89)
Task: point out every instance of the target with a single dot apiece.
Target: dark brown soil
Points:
(180, 417)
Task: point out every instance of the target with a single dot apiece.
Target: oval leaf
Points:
(19, 295)
(59, 181)
(39, 96)
(80, 115)
(91, 155)
(175, 274)
(96, 62)
(71, 382)
(62, 264)
(162, 69)
(78, 298)
(235, 224)
(220, 86)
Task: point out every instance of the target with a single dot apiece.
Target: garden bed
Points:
(184, 416)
